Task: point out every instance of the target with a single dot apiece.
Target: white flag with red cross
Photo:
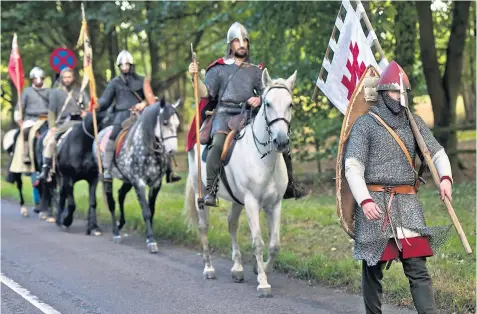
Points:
(350, 54)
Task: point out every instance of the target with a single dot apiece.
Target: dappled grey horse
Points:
(257, 177)
(142, 161)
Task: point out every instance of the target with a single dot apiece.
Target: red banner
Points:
(15, 66)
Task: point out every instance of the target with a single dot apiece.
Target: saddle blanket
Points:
(17, 165)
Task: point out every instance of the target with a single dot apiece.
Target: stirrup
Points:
(210, 199)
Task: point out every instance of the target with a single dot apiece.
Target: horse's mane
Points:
(148, 120)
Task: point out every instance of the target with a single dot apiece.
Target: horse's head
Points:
(167, 125)
(277, 103)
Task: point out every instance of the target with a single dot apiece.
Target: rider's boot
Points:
(108, 161)
(294, 189)
(171, 177)
(26, 153)
(213, 169)
(45, 169)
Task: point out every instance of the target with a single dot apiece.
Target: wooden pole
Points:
(435, 176)
(371, 29)
(19, 95)
(93, 100)
(197, 122)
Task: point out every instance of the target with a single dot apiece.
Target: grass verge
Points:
(313, 245)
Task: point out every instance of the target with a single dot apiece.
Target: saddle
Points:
(61, 140)
(236, 124)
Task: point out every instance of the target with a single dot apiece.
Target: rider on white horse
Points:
(229, 82)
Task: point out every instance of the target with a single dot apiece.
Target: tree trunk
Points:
(468, 74)
(468, 94)
(406, 33)
(453, 73)
(429, 60)
(153, 47)
(112, 56)
(444, 91)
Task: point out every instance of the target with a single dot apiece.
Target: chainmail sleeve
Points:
(258, 82)
(432, 144)
(212, 81)
(358, 142)
(356, 157)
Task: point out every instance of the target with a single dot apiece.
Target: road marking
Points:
(24, 293)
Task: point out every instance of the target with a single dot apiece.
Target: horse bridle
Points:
(165, 122)
(269, 123)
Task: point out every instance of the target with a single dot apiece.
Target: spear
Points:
(435, 176)
(197, 122)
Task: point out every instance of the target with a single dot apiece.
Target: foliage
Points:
(286, 36)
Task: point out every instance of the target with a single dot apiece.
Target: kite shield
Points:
(362, 99)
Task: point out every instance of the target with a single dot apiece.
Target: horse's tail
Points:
(190, 209)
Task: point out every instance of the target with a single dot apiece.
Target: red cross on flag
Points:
(352, 53)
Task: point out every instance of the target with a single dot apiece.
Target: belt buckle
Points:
(388, 189)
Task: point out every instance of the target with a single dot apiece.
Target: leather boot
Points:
(171, 177)
(108, 160)
(213, 169)
(45, 169)
(294, 189)
(26, 153)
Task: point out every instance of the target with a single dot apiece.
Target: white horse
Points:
(257, 177)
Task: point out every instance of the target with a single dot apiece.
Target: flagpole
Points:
(92, 101)
(371, 29)
(19, 92)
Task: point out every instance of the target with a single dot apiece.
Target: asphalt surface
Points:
(74, 273)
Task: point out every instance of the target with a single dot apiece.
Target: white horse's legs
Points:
(252, 208)
(233, 220)
(209, 271)
(273, 220)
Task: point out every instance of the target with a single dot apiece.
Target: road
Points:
(68, 272)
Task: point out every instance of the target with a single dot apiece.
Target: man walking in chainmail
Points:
(229, 82)
(389, 219)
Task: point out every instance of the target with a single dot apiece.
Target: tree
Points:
(405, 31)
(468, 75)
(443, 89)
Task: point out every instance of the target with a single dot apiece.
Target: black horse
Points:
(47, 188)
(74, 163)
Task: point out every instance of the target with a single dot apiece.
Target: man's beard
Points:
(240, 53)
(68, 85)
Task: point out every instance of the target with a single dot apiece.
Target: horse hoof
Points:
(43, 216)
(51, 220)
(209, 274)
(24, 211)
(264, 291)
(117, 239)
(237, 276)
(152, 247)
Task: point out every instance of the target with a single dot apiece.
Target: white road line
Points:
(24, 293)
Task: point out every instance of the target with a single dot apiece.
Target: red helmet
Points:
(389, 79)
